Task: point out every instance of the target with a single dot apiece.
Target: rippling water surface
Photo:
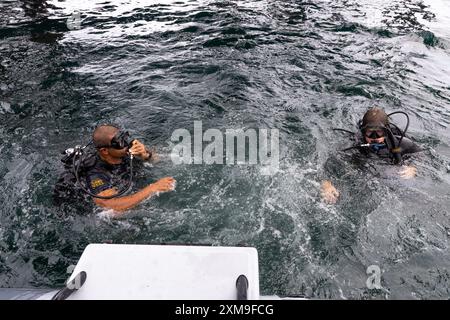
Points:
(302, 67)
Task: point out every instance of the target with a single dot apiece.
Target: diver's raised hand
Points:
(138, 149)
(328, 192)
(408, 172)
(164, 184)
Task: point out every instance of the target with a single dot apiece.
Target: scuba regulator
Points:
(81, 158)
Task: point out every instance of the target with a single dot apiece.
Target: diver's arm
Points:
(408, 147)
(333, 169)
(120, 204)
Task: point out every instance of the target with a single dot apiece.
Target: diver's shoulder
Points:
(408, 145)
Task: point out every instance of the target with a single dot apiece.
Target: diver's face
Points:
(113, 152)
(374, 135)
(118, 153)
(376, 140)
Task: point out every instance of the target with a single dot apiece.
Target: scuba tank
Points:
(67, 188)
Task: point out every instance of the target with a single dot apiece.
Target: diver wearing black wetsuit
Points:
(381, 138)
(105, 169)
(378, 138)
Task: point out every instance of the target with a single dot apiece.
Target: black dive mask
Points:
(374, 133)
(121, 140)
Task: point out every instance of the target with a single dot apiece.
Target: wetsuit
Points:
(96, 174)
(103, 176)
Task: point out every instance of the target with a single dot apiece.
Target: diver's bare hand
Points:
(408, 172)
(164, 184)
(138, 149)
(328, 192)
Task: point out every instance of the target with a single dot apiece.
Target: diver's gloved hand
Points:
(328, 192)
(138, 149)
(408, 172)
(164, 184)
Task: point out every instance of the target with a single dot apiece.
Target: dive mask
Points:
(121, 140)
(374, 133)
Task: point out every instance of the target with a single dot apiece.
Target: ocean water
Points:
(302, 67)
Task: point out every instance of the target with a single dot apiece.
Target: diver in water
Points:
(98, 173)
(380, 138)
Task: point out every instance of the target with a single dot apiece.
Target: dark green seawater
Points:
(302, 67)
